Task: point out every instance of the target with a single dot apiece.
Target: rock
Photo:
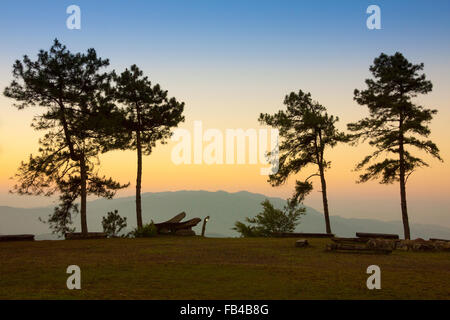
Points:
(381, 244)
(301, 243)
(423, 246)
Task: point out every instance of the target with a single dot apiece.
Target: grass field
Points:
(198, 268)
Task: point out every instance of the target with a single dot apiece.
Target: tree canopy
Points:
(77, 117)
(306, 131)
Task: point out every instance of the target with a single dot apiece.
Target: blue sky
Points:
(230, 31)
(212, 37)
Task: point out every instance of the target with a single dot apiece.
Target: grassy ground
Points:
(197, 268)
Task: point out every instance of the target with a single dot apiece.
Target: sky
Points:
(231, 60)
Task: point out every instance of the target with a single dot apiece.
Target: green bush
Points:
(147, 231)
(113, 223)
(271, 220)
(246, 231)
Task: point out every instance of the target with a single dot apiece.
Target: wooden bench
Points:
(355, 245)
(17, 237)
(442, 240)
(350, 240)
(377, 235)
(302, 235)
(83, 236)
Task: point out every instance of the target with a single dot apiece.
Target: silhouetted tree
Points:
(306, 130)
(113, 223)
(394, 123)
(149, 114)
(79, 111)
(271, 220)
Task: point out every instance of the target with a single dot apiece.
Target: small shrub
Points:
(246, 230)
(271, 220)
(113, 223)
(147, 231)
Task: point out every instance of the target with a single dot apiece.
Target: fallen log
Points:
(377, 235)
(302, 235)
(360, 245)
(349, 249)
(17, 237)
(83, 236)
(350, 240)
(435, 239)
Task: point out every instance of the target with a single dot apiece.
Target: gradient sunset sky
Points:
(229, 61)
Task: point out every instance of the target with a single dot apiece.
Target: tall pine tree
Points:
(79, 111)
(149, 116)
(395, 124)
(306, 130)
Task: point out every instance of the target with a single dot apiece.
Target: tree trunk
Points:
(325, 199)
(83, 177)
(139, 174)
(138, 184)
(403, 189)
(319, 156)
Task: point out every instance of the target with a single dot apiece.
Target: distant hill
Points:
(224, 209)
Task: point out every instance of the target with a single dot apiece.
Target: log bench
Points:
(83, 236)
(377, 235)
(442, 240)
(17, 237)
(350, 240)
(302, 235)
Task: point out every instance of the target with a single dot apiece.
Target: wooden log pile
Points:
(441, 244)
(385, 243)
(425, 245)
(358, 245)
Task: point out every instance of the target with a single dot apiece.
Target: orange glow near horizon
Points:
(428, 186)
(160, 174)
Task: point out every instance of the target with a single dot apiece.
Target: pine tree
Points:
(395, 124)
(149, 117)
(306, 130)
(79, 111)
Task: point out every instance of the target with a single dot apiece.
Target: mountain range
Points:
(224, 209)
